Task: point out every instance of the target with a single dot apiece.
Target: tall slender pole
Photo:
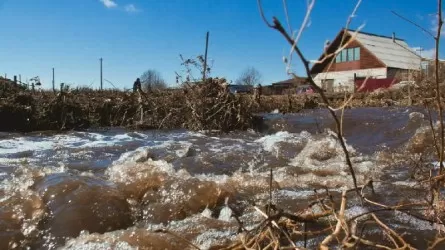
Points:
(54, 82)
(101, 79)
(205, 58)
(20, 78)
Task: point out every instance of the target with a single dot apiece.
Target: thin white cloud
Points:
(426, 53)
(429, 53)
(131, 8)
(434, 25)
(109, 3)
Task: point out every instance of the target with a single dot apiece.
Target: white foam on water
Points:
(410, 184)
(78, 244)
(355, 211)
(325, 153)
(125, 173)
(106, 141)
(416, 115)
(436, 164)
(275, 111)
(141, 152)
(184, 150)
(221, 147)
(207, 213)
(132, 156)
(207, 239)
(226, 213)
(333, 175)
(301, 194)
(76, 140)
(11, 161)
(218, 179)
(23, 144)
(414, 222)
(196, 134)
(35, 147)
(269, 142)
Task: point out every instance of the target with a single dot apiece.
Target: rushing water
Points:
(117, 188)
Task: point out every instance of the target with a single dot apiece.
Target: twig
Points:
(277, 226)
(433, 132)
(270, 191)
(340, 220)
(436, 71)
(436, 242)
(393, 233)
(277, 26)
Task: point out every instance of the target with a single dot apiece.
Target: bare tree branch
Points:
(439, 99)
(151, 79)
(250, 76)
(279, 27)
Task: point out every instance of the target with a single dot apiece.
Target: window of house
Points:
(357, 54)
(344, 55)
(348, 55)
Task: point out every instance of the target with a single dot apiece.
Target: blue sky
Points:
(135, 35)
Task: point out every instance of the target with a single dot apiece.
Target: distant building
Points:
(369, 55)
(240, 88)
(284, 87)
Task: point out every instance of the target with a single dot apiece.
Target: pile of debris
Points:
(199, 106)
(8, 87)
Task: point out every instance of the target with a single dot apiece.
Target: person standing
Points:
(137, 86)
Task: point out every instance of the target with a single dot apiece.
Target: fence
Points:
(373, 84)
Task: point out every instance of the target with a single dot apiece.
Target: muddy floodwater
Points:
(119, 189)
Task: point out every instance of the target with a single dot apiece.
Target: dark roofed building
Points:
(282, 87)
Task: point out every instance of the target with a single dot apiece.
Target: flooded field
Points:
(119, 189)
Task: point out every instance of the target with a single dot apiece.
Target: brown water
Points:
(116, 189)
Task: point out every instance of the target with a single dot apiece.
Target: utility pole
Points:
(54, 82)
(101, 79)
(20, 78)
(205, 58)
(420, 49)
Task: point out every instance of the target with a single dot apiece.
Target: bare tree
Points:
(249, 76)
(152, 79)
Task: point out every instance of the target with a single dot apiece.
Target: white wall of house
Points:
(344, 80)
